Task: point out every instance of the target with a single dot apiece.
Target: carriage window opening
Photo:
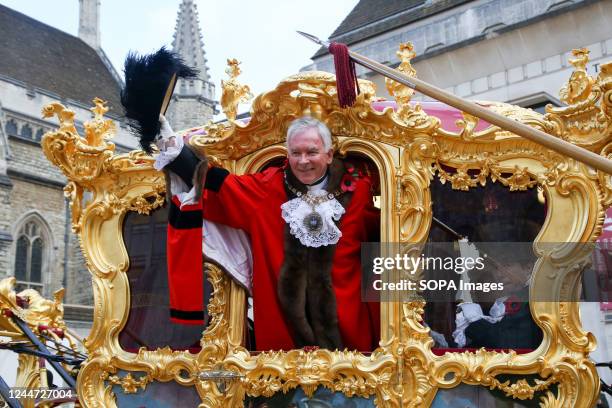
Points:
(485, 216)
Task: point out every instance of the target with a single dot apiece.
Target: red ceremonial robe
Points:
(253, 203)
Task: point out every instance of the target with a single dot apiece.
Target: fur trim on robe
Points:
(305, 288)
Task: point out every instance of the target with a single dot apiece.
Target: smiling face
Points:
(307, 156)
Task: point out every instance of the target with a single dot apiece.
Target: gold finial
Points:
(406, 53)
(233, 93)
(64, 115)
(233, 68)
(100, 109)
(99, 129)
(402, 93)
(578, 88)
(582, 58)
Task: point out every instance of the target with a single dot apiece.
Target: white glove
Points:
(167, 138)
(168, 143)
(499, 308)
(471, 311)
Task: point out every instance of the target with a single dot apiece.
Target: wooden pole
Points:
(560, 146)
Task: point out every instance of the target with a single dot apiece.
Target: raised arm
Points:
(198, 192)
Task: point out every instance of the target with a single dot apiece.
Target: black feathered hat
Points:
(149, 84)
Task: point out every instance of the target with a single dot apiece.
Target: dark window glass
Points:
(11, 127)
(26, 131)
(36, 264)
(540, 107)
(145, 240)
(21, 258)
(29, 253)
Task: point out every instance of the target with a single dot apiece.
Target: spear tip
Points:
(314, 38)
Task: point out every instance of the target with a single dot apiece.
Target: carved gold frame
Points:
(43, 317)
(408, 146)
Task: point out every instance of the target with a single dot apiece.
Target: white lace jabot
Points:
(295, 211)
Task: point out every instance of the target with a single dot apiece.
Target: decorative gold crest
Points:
(43, 317)
(233, 92)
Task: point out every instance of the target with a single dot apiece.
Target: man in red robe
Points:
(306, 222)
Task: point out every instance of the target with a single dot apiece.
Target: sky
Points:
(259, 33)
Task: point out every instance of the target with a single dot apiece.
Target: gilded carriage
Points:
(416, 151)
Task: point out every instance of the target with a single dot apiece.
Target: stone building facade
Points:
(37, 245)
(36, 242)
(512, 51)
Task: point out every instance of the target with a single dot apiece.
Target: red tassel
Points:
(346, 76)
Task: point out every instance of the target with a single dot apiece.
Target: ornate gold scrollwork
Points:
(586, 120)
(129, 384)
(233, 93)
(402, 93)
(580, 84)
(43, 317)
(413, 116)
(409, 147)
(40, 312)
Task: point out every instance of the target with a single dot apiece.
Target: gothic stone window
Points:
(29, 256)
(26, 132)
(11, 127)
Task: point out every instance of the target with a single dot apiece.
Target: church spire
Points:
(189, 45)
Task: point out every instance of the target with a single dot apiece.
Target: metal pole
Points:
(41, 347)
(5, 392)
(535, 135)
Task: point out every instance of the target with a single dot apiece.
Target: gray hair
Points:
(306, 122)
